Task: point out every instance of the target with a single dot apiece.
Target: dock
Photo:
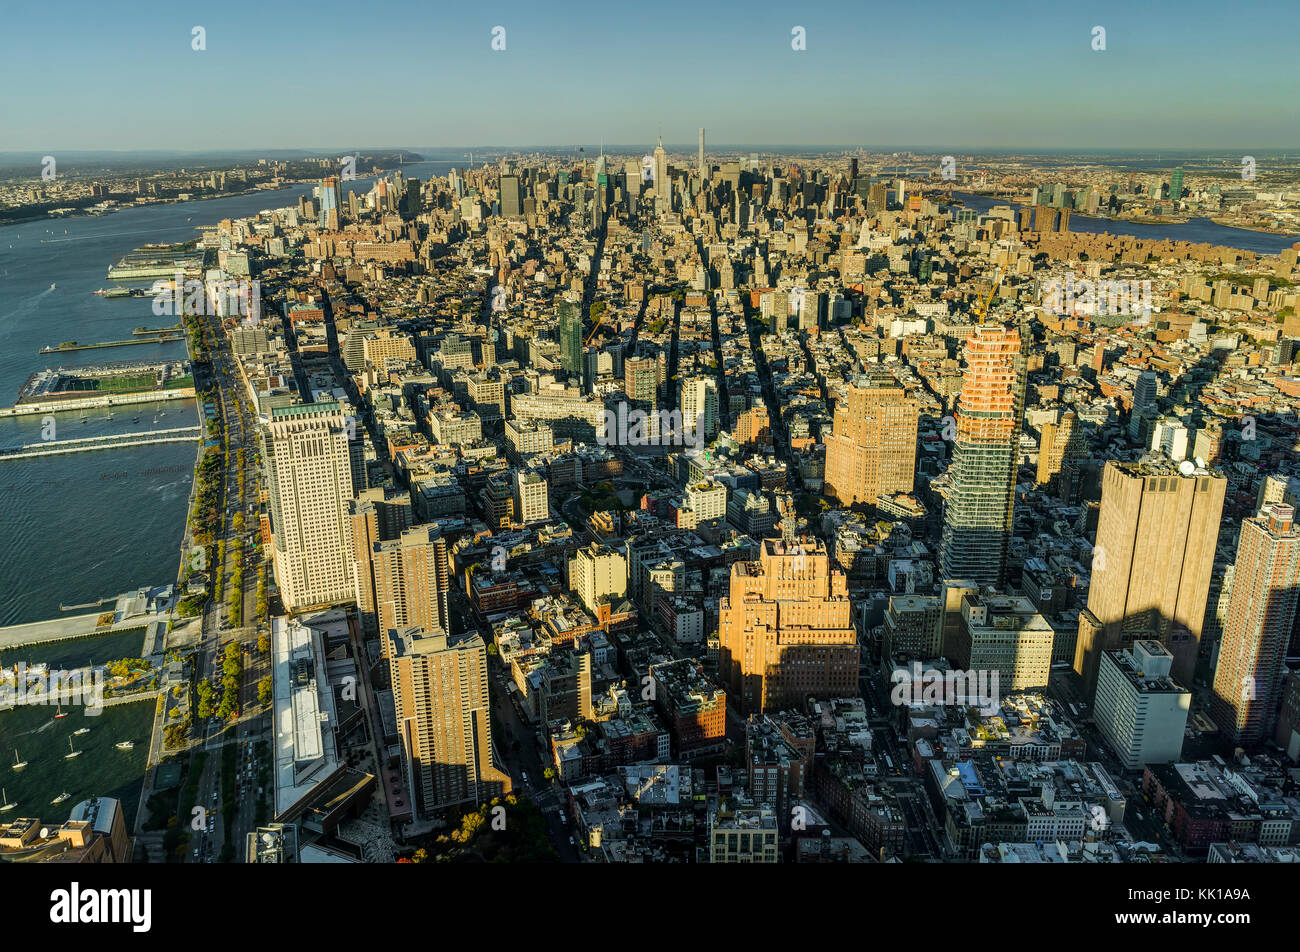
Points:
(96, 402)
(108, 441)
(142, 339)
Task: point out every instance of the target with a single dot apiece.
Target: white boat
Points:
(18, 764)
(53, 286)
(75, 753)
(6, 806)
(81, 730)
(61, 797)
(125, 745)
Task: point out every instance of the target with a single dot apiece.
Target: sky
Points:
(944, 76)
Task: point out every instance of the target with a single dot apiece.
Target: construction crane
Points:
(997, 283)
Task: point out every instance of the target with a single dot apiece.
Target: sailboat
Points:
(58, 712)
(6, 806)
(75, 753)
(18, 764)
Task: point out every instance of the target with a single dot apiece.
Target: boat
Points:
(18, 764)
(82, 730)
(125, 745)
(58, 712)
(6, 806)
(100, 292)
(53, 286)
(75, 753)
(61, 797)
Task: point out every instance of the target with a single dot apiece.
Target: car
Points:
(524, 774)
(572, 842)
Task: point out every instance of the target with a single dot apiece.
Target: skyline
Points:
(887, 81)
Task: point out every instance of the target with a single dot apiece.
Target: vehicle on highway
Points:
(524, 775)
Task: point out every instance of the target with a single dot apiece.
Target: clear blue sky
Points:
(944, 75)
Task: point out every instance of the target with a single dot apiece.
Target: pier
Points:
(142, 339)
(96, 402)
(109, 441)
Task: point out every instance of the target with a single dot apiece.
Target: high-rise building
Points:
(872, 450)
(444, 722)
(1151, 568)
(702, 152)
(641, 381)
(511, 197)
(978, 510)
(698, 400)
(785, 628)
(309, 474)
(330, 203)
(663, 187)
(1176, 184)
(1144, 402)
(598, 573)
(1256, 632)
(1061, 440)
(1140, 710)
(569, 327)
(376, 515)
(531, 497)
(412, 578)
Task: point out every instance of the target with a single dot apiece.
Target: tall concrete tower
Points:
(1156, 536)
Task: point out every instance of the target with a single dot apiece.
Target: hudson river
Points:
(84, 526)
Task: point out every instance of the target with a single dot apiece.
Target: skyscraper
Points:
(376, 515)
(1261, 612)
(1156, 536)
(702, 152)
(663, 188)
(330, 202)
(1144, 401)
(569, 327)
(978, 510)
(785, 628)
(412, 576)
(872, 451)
(698, 400)
(1176, 184)
(1060, 441)
(309, 474)
(444, 723)
(511, 199)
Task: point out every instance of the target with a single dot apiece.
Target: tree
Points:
(264, 690)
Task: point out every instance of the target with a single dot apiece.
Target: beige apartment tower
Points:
(440, 693)
(872, 450)
(412, 577)
(1156, 536)
(786, 628)
(309, 473)
(596, 573)
(376, 515)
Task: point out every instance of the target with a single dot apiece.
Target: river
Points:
(83, 526)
